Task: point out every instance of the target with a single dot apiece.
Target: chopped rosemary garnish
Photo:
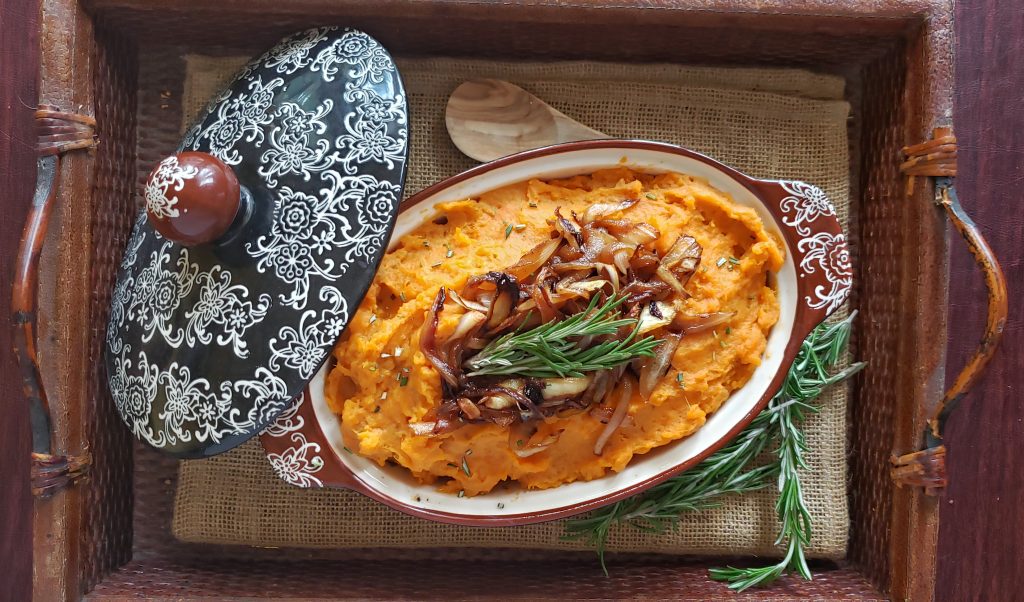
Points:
(728, 330)
(403, 380)
(465, 466)
(508, 230)
(734, 261)
(533, 204)
(519, 227)
(679, 380)
(376, 410)
(721, 261)
(402, 296)
(462, 493)
(550, 350)
(500, 505)
(426, 243)
(729, 470)
(450, 253)
(436, 265)
(651, 196)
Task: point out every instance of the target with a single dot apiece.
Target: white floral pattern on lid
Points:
(168, 178)
(206, 345)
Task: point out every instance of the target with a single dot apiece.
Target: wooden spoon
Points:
(491, 118)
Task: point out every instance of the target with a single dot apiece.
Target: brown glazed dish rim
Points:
(770, 193)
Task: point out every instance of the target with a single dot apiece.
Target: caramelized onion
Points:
(564, 388)
(588, 256)
(470, 305)
(428, 342)
(569, 230)
(536, 448)
(655, 367)
(599, 210)
(468, 408)
(634, 233)
(534, 259)
(642, 292)
(693, 324)
(620, 412)
(670, 279)
(654, 315)
(468, 321)
(685, 252)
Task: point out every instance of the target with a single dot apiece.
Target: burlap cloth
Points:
(767, 122)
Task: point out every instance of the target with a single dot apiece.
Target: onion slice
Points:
(569, 230)
(620, 412)
(470, 305)
(534, 259)
(654, 315)
(422, 428)
(428, 341)
(536, 448)
(654, 368)
(693, 324)
(555, 388)
(599, 210)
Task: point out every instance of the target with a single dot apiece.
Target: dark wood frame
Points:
(68, 61)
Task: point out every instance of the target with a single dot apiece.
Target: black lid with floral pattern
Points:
(254, 250)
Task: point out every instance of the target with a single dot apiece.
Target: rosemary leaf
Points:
(729, 470)
(552, 350)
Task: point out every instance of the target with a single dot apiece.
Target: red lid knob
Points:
(192, 198)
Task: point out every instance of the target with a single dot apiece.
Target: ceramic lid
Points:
(258, 241)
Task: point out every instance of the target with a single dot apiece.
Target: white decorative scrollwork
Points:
(159, 291)
(806, 203)
(168, 177)
(829, 253)
(367, 139)
(366, 59)
(227, 306)
(300, 459)
(286, 251)
(240, 118)
(329, 161)
(301, 348)
(292, 53)
(291, 150)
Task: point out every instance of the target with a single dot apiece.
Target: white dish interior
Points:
(396, 482)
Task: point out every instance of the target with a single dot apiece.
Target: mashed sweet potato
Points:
(382, 382)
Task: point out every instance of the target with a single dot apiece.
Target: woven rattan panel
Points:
(872, 415)
(107, 526)
(675, 580)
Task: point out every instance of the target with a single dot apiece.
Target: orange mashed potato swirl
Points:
(382, 382)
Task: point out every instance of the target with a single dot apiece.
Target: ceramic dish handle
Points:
(59, 133)
(824, 275)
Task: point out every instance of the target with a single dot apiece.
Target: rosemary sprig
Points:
(726, 471)
(552, 350)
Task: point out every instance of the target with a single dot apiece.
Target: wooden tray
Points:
(108, 533)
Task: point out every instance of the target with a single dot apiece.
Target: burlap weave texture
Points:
(769, 123)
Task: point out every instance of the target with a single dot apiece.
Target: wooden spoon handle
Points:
(490, 118)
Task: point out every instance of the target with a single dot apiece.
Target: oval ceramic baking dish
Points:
(305, 446)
